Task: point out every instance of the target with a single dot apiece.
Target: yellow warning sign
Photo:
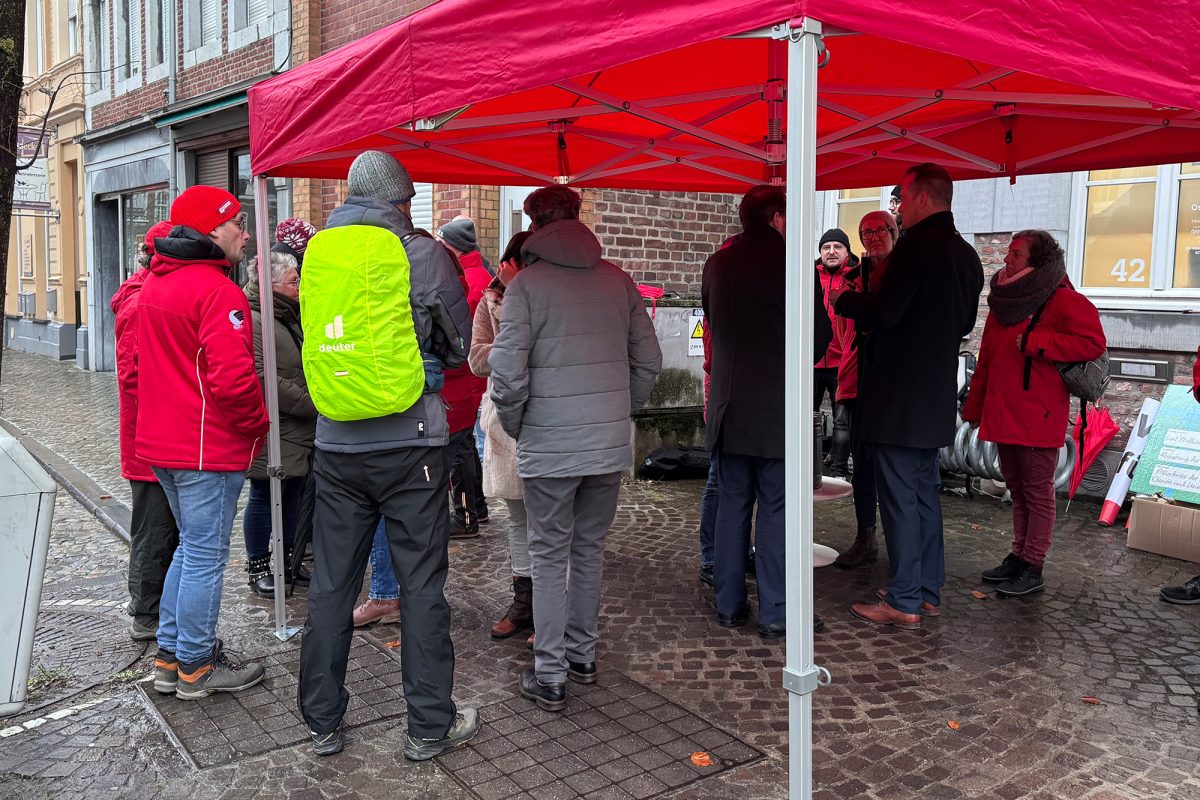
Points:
(698, 331)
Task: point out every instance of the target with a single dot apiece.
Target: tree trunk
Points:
(12, 57)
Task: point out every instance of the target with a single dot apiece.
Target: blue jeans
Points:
(204, 504)
(383, 577)
(708, 512)
(256, 519)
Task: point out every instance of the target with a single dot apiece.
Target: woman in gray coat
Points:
(297, 424)
(500, 478)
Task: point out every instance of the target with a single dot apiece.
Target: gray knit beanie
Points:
(460, 234)
(380, 175)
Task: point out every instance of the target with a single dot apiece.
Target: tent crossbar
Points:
(984, 96)
(1089, 116)
(1089, 145)
(941, 127)
(572, 112)
(700, 165)
(467, 156)
(638, 109)
(490, 136)
(334, 155)
(853, 162)
(908, 108)
(643, 144)
(948, 163)
(912, 136)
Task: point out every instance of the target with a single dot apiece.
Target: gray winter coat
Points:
(443, 325)
(575, 356)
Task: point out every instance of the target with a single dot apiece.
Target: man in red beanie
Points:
(153, 534)
(200, 428)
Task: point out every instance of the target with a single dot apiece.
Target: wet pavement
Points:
(983, 702)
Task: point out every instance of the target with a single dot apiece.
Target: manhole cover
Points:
(73, 650)
(226, 727)
(616, 738)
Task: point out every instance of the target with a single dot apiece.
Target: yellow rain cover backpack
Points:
(361, 358)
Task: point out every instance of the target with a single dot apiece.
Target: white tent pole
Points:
(800, 676)
(262, 241)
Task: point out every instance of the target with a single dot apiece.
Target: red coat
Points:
(200, 403)
(1007, 413)
(832, 358)
(124, 305)
(1196, 377)
(844, 330)
(464, 389)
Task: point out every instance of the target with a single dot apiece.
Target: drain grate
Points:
(80, 647)
(226, 727)
(616, 739)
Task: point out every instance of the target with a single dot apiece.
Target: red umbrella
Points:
(1096, 432)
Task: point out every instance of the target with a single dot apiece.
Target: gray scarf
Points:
(1013, 302)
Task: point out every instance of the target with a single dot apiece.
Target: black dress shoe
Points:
(548, 696)
(706, 574)
(735, 620)
(303, 576)
(776, 630)
(581, 671)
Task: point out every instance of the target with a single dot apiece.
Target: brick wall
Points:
(1123, 398)
(480, 203)
(661, 238)
(343, 21)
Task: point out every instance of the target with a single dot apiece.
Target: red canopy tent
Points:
(691, 95)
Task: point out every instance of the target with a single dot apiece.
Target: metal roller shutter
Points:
(212, 168)
(422, 206)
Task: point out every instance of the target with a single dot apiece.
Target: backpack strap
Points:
(1037, 315)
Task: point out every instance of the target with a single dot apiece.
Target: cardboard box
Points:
(1168, 529)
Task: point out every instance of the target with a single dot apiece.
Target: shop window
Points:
(140, 211)
(1140, 231)
(278, 207)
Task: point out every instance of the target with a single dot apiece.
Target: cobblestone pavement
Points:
(1010, 674)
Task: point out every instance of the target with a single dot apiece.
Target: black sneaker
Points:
(1186, 595)
(461, 530)
(548, 696)
(223, 674)
(466, 725)
(1028, 582)
(327, 744)
(1009, 568)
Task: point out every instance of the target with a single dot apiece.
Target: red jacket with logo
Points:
(200, 405)
(463, 390)
(1008, 413)
(835, 280)
(124, 305)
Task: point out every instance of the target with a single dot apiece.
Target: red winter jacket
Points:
(1196, 377)
(845, 330)
(200, 403)
(124, 305)
(464, 389)
(837, 280)
(1007, 413)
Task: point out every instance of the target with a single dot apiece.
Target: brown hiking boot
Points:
(377, 611)
(864, 550)
(520, 614)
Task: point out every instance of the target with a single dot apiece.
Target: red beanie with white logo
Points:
(204, 208)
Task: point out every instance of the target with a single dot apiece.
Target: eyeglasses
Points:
(877, 232)
(239, 220)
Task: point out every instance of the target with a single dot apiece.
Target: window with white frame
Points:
(1136, 231)
(35, 23)
(249, 12)
(72, 27)
(127, 30)
(845, 208)
(104, 41)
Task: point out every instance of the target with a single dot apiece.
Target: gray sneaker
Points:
(222, 674)
(143, 633)
(466, 725)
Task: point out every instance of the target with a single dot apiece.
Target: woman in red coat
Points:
(1017, 397)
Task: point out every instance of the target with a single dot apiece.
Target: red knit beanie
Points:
(204, 208)
(160, 230)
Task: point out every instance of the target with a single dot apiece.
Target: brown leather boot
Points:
(520, 614)
(865, 549)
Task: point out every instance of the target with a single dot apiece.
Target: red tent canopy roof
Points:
(650, 94)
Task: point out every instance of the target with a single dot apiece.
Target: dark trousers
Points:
(907, 479)
(466, 478)
(825, 381)
(153, 538)
(709, 501)
(1029, 476)
(865, 497)
(407, 488)
(742, 480)
(256, 519)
